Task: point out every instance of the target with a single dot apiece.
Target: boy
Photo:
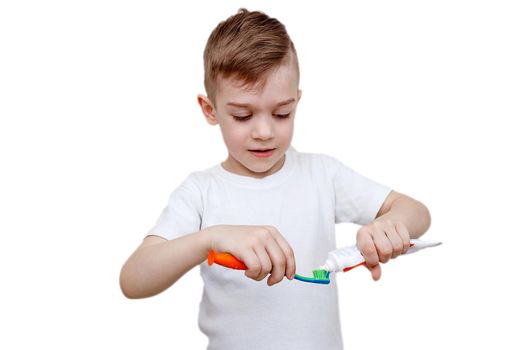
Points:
(270, 206)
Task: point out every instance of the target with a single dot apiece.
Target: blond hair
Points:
(247, 47)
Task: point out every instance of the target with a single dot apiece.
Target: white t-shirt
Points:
(303, 200)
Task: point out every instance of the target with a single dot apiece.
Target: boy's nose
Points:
(263, 128)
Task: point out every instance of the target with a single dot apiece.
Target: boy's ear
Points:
(207, 109)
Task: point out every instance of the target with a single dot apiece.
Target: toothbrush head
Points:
(320, 277)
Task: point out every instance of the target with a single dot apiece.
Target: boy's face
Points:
(252, 120)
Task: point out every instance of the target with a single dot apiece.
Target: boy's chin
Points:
(249, 165)
(261, 170)
(264, 167)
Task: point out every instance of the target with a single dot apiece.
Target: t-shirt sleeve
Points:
(183, 213)
(357, 198)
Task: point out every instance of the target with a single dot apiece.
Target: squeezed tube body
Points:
(346, 258)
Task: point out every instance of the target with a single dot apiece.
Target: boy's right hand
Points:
(262, 249)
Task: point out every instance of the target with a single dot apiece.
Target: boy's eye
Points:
(241, 118)
(246, 117)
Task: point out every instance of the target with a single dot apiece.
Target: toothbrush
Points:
(230, 261)
(342, 259)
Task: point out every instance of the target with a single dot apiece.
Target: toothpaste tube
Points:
(347, 258)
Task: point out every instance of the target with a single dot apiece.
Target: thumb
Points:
(375, 271)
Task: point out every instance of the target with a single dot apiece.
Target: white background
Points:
(100, 122)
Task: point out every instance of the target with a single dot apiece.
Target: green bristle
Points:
(319, 274)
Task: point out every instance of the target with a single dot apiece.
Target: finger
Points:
(366, 246)
(383, 245)
(375, 271)
(395, 240)
(252, 262)
(288, 254)
(278, 262)
(266, 263)
(405, 236)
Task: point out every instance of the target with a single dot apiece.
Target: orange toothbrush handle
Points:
(226, 260)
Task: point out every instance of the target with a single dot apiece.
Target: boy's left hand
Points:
(380, 241)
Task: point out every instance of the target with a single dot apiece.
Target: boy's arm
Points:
(158, 263)
(399, 219)
(401, 208)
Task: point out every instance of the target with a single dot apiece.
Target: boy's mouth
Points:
(263, 152)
